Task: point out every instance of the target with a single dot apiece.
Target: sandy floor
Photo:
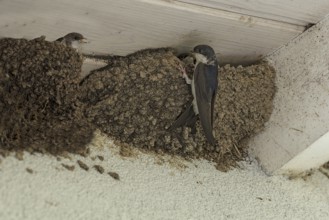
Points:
(152, 189)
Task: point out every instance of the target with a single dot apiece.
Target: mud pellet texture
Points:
(38, 98)
(136, 98)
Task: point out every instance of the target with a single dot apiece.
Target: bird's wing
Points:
(184, 118)
(212, 107)
(204, 96)
(60, 39)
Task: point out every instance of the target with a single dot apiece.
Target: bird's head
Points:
(74, 39)
(204, 54)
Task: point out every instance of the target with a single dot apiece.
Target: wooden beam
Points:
(122, 27)
(294, 11)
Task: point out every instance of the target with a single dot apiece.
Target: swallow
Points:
(73, 40)
(204, 88)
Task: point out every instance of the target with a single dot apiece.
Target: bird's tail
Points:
(208, 133)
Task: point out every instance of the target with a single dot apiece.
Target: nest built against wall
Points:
(134, 100)
(38, 98)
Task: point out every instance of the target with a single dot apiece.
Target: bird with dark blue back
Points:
(204, 88)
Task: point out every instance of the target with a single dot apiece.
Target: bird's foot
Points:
(184, 74)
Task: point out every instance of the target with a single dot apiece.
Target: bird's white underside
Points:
(199, 59)
(194, 103)
(75, 44)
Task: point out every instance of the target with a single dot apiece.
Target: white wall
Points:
(301, 113)
(152, 187)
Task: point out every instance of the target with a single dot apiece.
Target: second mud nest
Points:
(136, 98)
(38, 98)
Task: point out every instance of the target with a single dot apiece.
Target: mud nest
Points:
(45, 107)
(136, 98)
(38, 98)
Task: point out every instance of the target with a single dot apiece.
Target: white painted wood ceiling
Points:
(241, 31)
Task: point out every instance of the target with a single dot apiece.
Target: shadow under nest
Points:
(47, 107)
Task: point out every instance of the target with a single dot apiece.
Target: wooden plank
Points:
(294, 11)
(296, 137)
(122, 27)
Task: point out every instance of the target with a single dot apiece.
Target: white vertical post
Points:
(296, 138)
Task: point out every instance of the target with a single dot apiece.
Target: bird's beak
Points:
(84, 40)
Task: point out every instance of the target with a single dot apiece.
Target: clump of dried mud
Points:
(136, 98)
(38, 98)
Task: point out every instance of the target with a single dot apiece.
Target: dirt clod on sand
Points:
(99, 169)
(135, 99)
(38, 98)
(68, 167)
(29, 170)
(114, 175)
(101, 158)
(82, 165)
